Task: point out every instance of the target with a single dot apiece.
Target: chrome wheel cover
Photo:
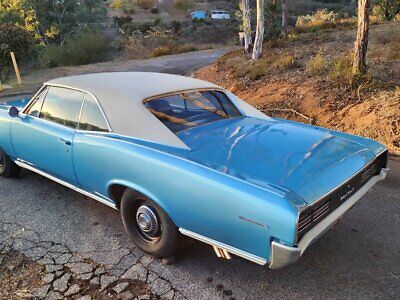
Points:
(147, 223)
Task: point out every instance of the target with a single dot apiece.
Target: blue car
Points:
(180, 156)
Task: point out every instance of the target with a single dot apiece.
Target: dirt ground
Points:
(372, 109)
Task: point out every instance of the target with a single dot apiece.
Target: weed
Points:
(341, 70)
(145, 4)
(184, 5)
(317, 65)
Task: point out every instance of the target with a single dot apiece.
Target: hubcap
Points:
(148, 224)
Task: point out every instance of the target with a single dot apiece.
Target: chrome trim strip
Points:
(25, 165)
(282, 255)
(256, 259)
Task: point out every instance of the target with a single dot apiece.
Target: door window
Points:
(62, 106)
(92, 118)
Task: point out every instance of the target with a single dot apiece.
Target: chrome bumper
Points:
(282, 255)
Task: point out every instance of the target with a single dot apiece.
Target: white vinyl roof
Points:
(121, 95)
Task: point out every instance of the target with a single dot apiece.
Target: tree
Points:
(17, 40)
(388, 8)
(257, 49)
(361, 44)
(52, 20)
(248, 41)
(284, 19)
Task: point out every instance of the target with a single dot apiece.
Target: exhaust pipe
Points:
(222, 253)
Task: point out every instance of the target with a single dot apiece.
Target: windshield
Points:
(191, 109)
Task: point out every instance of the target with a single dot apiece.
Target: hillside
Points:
(306, 79)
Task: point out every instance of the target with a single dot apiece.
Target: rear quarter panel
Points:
(196, 198)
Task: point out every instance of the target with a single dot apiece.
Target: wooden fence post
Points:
(16, 68)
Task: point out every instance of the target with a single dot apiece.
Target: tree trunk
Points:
(284, 19)
(248, 41)
(257, 49)
(361, 44)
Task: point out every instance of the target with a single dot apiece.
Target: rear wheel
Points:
(7, 167)
(148, 226)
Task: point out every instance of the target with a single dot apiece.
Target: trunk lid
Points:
(307, 160)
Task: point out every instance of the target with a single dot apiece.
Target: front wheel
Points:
(148, 226)
(7, 167)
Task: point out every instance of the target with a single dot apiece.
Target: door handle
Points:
(66, 142)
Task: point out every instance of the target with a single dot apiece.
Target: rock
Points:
(144, 297)
(80, 268)
(120, 287)
(53, 268)
(146, 260)
(99, 271)
(136, 272)
(169, 296)
(61, 284)
(63, 259)
(106, 280)
(74, 289)
(86, 297)
(48, 278)
(160, 286)
(54, 296)
(45, 261)
(126, 296)
(42, 291)
(59, 273)
(95, 281)
(86, 276)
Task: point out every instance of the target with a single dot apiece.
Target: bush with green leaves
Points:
(81, 49)
(13, 39)
(386, 9)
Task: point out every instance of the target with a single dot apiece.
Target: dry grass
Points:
(183, 5)
(145, 4)
(256, 69)
(317, 65)
(341, 69)
(171, 49)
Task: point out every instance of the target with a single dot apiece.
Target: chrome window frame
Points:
(102, 113)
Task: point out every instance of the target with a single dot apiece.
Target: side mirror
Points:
(13, 112)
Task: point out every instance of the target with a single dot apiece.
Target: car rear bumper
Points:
(282, 255)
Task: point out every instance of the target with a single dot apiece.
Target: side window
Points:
(36, 105)
(62, 106)
(92, 118)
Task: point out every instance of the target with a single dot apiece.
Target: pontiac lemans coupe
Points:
(178, 155)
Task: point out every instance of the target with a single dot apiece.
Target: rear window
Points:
(191, 109)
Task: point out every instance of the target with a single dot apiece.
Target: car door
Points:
(44, 133)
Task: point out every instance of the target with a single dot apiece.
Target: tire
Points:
(8, 168)
(157, 235)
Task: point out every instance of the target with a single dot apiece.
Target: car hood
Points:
(19, 103)
(307, 160)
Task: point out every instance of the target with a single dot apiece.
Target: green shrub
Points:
(317, 65)
(184, 5)
(85, 48)
(16, 39)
